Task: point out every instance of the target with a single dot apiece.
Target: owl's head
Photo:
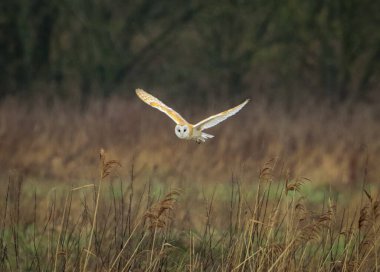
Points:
(182, 132)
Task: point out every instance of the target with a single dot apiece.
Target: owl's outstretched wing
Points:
(220, 117)
(155, 103)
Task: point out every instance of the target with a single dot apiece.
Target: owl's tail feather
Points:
(206, 136)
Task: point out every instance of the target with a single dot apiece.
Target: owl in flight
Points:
(183, 129)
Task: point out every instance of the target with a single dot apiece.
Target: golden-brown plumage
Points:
(184, 129)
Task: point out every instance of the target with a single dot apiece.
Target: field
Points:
(110, 187)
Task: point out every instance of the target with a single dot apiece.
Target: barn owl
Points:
(183, 129)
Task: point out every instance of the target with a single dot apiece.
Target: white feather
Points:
(206, 136)
(220, 117)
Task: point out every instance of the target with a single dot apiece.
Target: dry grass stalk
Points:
(159, 214)
(266, 172)
(295, 185)
(369, 213)
(105, 169)
(301, 211)
(270, 254)
(106, 166)
(313, 230)
(364, 218)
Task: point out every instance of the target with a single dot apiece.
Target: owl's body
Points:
(183, 129)
(189, 132)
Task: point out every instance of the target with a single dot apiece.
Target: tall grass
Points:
(265, 224)
(105, 169)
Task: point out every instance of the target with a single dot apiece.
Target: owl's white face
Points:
(182, 132)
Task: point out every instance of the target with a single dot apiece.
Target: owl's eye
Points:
(184, 129)
(178, 130)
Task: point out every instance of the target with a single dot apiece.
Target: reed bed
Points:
(128, 224)
(277, 189)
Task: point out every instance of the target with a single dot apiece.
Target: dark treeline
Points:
(79, 48)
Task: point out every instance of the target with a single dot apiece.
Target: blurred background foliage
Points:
(76, 49)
